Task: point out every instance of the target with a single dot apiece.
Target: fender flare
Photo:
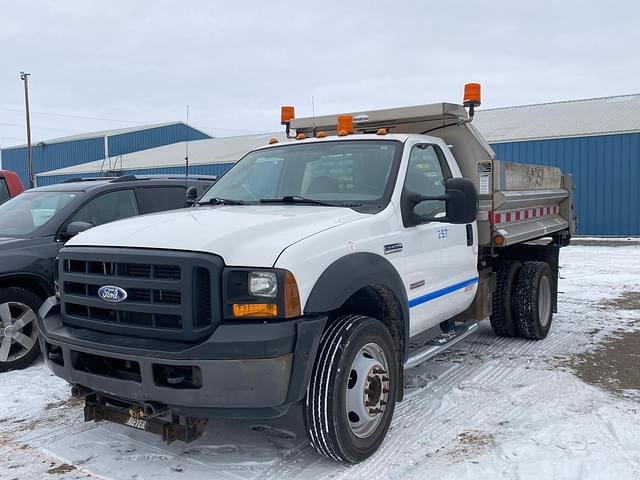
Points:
(350, 273)
(43, 283)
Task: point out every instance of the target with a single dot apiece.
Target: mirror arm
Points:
(416, 198)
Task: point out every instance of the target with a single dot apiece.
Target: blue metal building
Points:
(212, 156)
(78, 149)
(595, 140)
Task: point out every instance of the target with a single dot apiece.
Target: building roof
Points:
(573, 118)
(201, 152)
(107, 133)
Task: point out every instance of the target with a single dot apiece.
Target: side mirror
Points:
(192, 195)
(461, 199)
(75, 228)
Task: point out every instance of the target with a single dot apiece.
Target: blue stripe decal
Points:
(443, 291)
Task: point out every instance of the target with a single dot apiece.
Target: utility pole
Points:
(24, 76)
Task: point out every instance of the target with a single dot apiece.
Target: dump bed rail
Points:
(521, 202)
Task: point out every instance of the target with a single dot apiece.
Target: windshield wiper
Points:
(310, 201)
(221, 201)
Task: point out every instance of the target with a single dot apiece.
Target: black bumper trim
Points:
(248, 369)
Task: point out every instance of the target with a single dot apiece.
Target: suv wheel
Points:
(353, 388)
(18, 328)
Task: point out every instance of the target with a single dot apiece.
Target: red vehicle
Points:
(10, 185)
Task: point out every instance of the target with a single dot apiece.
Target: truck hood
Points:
(250, 235)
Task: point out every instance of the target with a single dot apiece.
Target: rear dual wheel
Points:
(523, 300)
(534, 294)
(353, 389)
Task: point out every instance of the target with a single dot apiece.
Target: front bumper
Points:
(246, 369)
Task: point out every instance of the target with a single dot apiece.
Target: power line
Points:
(81, 117)
(36, 127)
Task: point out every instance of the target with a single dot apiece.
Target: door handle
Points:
(469, 235)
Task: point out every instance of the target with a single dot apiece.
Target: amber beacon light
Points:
(287, 113)
(471, 97)
(345, 125)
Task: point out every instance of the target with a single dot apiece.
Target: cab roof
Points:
(85, 184)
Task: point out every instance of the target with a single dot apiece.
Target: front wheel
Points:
(353, 389)
(18, 328)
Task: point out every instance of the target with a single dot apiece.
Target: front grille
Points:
(122, 269)
(141, 295)
(171, 295)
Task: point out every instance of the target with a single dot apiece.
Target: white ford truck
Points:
(317, 270)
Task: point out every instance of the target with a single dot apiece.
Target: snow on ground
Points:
(490, 408)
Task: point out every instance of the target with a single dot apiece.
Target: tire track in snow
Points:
(437, 427)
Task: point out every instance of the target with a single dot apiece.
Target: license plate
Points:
(135, 422)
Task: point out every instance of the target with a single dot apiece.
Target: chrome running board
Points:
(440, 344)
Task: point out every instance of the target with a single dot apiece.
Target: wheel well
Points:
(379, 302)
(37, 286)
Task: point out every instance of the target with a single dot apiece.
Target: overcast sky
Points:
(112, 64)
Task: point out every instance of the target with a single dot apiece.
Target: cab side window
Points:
(4, 190)
(159, 199)
(108, 208)
(426, 175)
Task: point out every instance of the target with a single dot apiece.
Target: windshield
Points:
(29, 211)
(343, 172)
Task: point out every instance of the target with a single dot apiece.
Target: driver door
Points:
(441, 271)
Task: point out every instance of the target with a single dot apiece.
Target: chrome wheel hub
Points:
(367, 390)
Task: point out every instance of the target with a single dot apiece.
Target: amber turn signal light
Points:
(255, 310)
(291, 297)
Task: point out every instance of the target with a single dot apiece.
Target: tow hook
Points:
(153, 409)
(78, 391)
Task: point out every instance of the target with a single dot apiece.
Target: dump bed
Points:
(518, 202)
(522, 202)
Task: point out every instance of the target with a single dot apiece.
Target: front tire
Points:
(534, 293)
(353, 389)
(18, 328)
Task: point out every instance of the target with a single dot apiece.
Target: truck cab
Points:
(316, 271)
(10, 185)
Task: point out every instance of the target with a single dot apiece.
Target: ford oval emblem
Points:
(112, 294)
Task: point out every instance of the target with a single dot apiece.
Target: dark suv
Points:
(35, 225)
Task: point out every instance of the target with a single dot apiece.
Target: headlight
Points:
(253, 293)
(263, 284)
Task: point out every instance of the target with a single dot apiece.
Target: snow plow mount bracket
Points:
(170, 428)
